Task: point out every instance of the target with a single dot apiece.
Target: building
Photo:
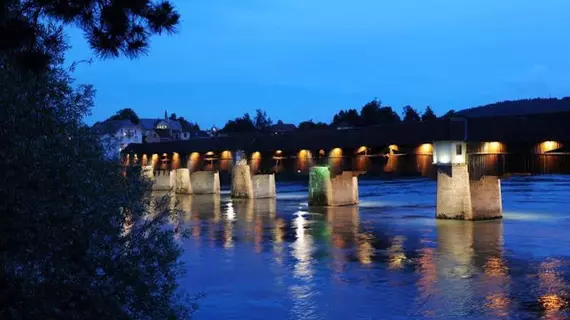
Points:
(161, 130)
(115, 135)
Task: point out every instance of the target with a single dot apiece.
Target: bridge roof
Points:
(375, 136)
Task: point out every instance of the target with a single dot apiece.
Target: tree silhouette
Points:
(347, 117)
(262, 121)
(85, 243)
(126, 114)
(240, 124)
(370, 113)
(310, 125)
(410, 114)
(112, 27)
(429, 115)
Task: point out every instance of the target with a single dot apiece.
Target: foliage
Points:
(262, 120)
(428, 115)
(79, 239)
(348, 117)
(373, 113)
(411, 115)
(112, 27)
(186, 125)
(240, 124)
(63, 209)
(310, 125)
(126, 114)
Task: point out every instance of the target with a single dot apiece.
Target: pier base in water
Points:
(183, 184)
(205, 182)
(247, 186)
(324, 190)
(462, 199)
(164, 180)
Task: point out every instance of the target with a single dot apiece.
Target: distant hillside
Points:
(518, 107)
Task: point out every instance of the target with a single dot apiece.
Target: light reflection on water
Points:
(387, 259)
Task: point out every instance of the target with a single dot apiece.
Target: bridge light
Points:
(449, 152)
(210, 153)
(278, 152)
(362, 149)
(547, 146)
(426, 148)
(256, 155)
(492, 147)
(336, 152)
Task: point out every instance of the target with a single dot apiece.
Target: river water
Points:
(387, 258)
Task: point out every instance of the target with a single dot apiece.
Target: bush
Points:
(77, 237)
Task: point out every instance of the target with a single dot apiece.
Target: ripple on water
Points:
(386, 258)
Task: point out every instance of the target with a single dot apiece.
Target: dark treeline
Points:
(372, 113)
(520, 106)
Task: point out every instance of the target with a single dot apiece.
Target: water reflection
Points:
(302, 246)
(281, 257)
(470, 267)
(553, 289)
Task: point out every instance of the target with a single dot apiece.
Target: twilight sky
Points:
(301, 60)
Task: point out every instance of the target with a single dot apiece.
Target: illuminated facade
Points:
(115, 135)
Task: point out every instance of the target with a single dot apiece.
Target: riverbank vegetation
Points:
(80, 237)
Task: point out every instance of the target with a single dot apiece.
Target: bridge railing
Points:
(518, 163)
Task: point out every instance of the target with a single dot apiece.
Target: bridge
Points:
(467, 156)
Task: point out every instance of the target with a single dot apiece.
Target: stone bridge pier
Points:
(181, 181)
(459, 196)
(326, 189)
(246, 185)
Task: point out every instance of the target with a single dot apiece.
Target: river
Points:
(387, 258)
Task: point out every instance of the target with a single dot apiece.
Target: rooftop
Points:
(150, 124)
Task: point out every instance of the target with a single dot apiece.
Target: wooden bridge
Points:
(497, 146)
(468, 157)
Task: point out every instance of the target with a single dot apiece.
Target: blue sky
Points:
(301, 60)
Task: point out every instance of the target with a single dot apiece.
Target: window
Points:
(458, 149)
(162, 125)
